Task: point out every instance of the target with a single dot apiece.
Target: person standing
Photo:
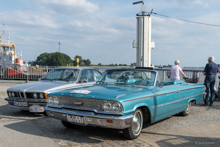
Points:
(211, 69)
(175, 70)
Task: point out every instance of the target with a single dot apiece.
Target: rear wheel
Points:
(68, 125)
(134, 130)
(187, 111)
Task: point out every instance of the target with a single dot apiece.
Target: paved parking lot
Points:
(17, 128)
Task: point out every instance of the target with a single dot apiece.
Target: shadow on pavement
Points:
(80, 134)
(7, 112)
(54, 129)
(182, 141)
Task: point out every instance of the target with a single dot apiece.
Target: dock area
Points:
(20, 128)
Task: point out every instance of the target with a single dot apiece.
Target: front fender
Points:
(130, 107)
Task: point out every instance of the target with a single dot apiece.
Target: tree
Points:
(99, 64)
(133, 64)
(87, 62)
(42, 59)
(111, 64)
(82, 64)
(53, 59)
(80, 58)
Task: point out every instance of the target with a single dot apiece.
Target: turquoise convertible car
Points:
(124, 99)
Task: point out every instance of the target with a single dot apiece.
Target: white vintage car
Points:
(33, 96)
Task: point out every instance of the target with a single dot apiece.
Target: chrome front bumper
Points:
(91, 119)
(30, 103)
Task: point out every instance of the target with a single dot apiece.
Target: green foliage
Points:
(133, 64)
(53, 59)
(82, 62)
(87, 62)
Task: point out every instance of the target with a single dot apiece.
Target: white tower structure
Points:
(143, 45)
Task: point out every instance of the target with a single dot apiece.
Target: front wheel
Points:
(187, 111)
(134, 130)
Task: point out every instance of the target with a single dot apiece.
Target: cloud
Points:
(70, 7)
(30, 18)
(102, 31)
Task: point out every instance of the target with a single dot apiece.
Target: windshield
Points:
(62, 74)
(128, 77)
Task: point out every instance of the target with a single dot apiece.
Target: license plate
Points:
(36, 108)
(76, 119)
(22, 104)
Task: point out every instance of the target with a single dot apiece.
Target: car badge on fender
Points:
(119, 95)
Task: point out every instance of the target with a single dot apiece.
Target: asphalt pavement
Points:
(25, 129)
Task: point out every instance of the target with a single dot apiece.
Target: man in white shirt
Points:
(175, 70)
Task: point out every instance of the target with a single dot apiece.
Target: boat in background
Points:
(9, 57)
(10, 60)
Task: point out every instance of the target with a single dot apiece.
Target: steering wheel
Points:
(123, 78)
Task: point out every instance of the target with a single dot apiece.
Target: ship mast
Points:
(8, 43)
(1, 32)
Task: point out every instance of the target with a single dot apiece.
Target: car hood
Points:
(109, 92)
(42, 86)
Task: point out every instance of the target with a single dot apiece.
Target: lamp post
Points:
(59, 46)
(144, 44)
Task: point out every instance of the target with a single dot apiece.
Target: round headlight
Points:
(13, 94)
(56, 100)
(41, 95)
(116, 107)
(106, 106)
(35, 95)
(9, 94)
(50, 100)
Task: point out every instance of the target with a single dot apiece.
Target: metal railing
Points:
(195, 74)
(34, 73)
(17, 73)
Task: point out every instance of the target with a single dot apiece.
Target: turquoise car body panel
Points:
(161, 102)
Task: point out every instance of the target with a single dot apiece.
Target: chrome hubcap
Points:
(188, 108)
(136, 123)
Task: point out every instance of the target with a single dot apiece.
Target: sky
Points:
(103, 30)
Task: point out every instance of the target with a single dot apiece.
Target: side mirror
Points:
(160, 85)
(83, 81)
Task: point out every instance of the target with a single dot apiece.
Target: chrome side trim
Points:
(139, 98)
(161, 94)
(179, 100)
(167, 93)
(193, 88)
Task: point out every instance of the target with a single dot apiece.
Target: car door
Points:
(167, 99)
(87, 78)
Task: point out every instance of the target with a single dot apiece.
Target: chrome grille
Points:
(81, 103)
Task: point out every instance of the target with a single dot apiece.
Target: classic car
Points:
(33, 96)
(124, 99)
